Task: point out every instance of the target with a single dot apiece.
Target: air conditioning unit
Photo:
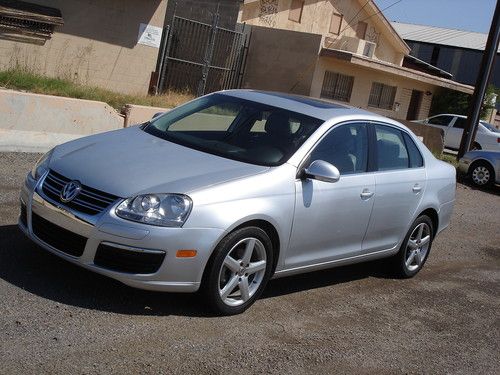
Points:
(366, 48)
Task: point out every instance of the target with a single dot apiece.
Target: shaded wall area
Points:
(97, 45)
(280, 60)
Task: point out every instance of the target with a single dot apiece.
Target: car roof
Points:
(318, 108)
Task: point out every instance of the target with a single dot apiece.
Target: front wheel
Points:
(415, 248)
(238, 271)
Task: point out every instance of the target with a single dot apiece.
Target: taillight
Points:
(498, 140)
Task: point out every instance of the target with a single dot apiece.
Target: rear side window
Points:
(416, 160)
(391, 149)
(440, 120)
(460, 123)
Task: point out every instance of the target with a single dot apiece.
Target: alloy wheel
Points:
(417, 247)
(242, 271)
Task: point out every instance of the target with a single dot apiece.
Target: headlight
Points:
(166, 210)
(42, 165)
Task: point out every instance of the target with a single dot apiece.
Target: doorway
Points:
(414, 107)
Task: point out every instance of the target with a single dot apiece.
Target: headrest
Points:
(277, 124)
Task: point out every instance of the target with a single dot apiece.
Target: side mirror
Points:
(157, 114)
(322, 171)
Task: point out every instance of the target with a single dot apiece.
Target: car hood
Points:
(129, 161)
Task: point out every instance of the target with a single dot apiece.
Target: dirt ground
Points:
(58, 318)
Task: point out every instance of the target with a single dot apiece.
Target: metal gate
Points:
(200, 58)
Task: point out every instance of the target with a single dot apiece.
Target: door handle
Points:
(366, 194)
(417, 188)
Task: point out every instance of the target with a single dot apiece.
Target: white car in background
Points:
(487, 136)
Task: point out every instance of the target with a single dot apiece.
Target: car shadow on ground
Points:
(466, 182)
(29, 267)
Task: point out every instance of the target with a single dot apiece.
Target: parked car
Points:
(237, 187)
(483, 167)
(487, 136)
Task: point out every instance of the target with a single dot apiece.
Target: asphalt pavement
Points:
(57, 318)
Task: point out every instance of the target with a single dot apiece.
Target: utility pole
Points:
(482, 81)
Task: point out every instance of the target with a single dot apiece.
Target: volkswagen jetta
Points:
(237, 187)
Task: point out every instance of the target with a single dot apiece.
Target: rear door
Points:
(454, 133)
(400, 181)
(442, 122)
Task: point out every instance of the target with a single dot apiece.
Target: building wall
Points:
(363, 79)
(316, 18)
(462, 63)
(281, 60)
(96, 46)
(203, 10)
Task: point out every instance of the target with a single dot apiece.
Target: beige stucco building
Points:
(358, 57)
(88, 41)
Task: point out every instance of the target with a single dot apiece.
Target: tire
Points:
(238, 271)
(481, 174)
(415, 248)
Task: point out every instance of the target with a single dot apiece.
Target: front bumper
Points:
(173, 275)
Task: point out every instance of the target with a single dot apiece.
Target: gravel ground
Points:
(58, 318)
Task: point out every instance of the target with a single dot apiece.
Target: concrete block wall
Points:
(36, 123)
(96, 46)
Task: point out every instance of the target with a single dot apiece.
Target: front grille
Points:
(24, 215)
(128, 261)
(89, 201)
(57, 237)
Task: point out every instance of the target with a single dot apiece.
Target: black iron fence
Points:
(200, 58)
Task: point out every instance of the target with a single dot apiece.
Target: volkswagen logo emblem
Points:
(70, 191)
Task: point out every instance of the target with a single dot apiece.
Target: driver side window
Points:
(345, 147)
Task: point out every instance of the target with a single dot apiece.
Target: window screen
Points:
(361, 29)
(336, 23)
(296, 8)
(337, 86)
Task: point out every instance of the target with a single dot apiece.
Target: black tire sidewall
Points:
(210, 282)
(401, 268)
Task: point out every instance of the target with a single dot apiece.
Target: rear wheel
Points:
(238, 271)
(415, 248)
(481, 174)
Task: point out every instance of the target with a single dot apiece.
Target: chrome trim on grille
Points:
(89, 201)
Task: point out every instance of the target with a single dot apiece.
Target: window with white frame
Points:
(337, 86)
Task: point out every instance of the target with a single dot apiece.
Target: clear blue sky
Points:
(470, 15)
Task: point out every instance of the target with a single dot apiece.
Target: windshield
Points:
(236, 129)
(490, 127)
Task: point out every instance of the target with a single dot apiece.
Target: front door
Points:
(330, 219)
(414, 107)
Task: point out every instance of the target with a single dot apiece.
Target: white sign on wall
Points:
(149, 35)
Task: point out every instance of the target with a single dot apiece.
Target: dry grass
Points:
(19, 79)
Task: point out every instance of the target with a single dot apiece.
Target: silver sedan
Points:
(238, 187)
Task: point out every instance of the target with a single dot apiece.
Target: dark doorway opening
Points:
(414, 107)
